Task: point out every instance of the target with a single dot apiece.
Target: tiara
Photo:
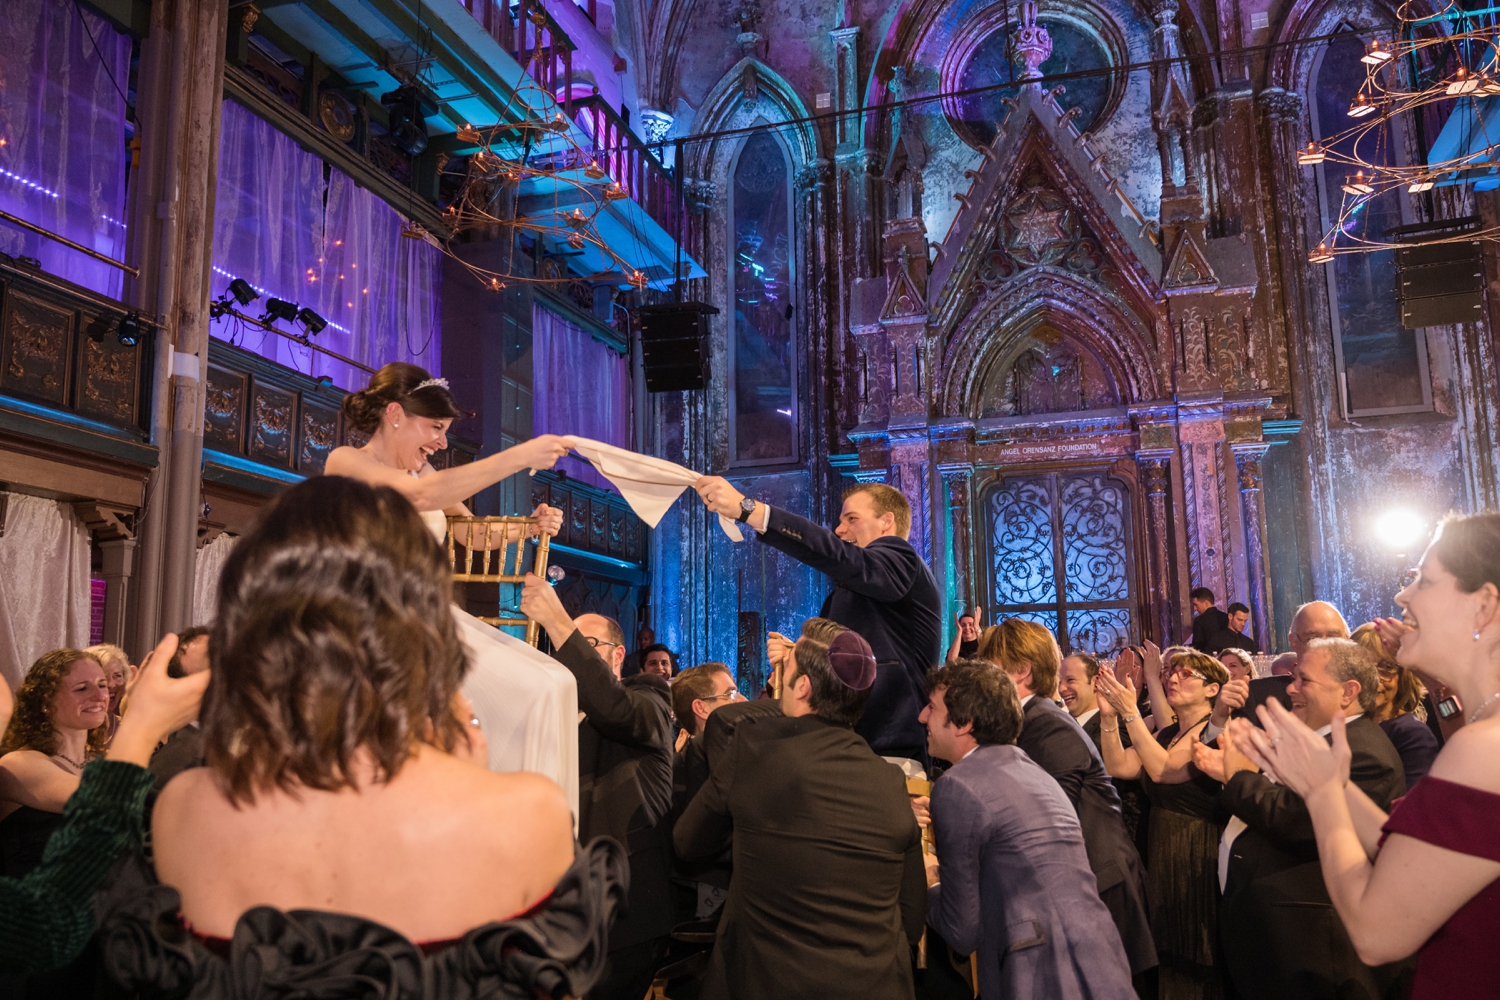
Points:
(432, 381)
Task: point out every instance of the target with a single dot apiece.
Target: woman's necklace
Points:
(1185, 732)
(70, 760)
(1475, 715)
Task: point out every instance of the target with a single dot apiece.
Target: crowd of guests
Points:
(1168, 824)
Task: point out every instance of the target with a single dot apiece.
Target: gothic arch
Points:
(1077, 307)
(749, 92)
(1291, 65)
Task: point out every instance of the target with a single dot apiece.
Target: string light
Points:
(27, 182)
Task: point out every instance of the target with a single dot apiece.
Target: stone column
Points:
(113, 532)
(956, 483)
(181, 92)
(1201, 443)
(1154, 468)
(1247, 459)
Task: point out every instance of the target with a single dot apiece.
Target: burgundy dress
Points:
(1460, 960)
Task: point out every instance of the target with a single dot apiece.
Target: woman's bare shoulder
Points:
(23, 763)
(1468, 758)
(501, 797)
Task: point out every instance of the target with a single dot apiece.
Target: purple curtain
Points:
(62, 137)
(581, 387)
(328, 245)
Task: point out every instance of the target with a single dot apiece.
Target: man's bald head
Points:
(608, 639)
(1316, 620)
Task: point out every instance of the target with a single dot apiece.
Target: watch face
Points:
(747, 505)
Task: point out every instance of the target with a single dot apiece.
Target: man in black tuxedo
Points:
(1282, 938)
(829, 890)
(624, 779)
(882, 590)
(1029, 654)
(1209, 623)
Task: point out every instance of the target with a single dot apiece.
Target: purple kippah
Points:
(852, 660)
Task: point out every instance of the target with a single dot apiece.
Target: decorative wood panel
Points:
(354, 437)
(224, 410)
(109, 385)
(635, 538)
(599, 526)
(320, 435)
(577, 518)
(272, 425)
(37, 348)
(616, 531)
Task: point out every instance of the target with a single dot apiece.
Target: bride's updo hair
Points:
(333, 635)
(397, 383)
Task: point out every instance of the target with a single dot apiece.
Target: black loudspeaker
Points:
(674, 345)
(1439, 283)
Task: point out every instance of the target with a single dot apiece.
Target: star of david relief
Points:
(1038, 226)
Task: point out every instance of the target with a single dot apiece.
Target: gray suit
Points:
(1016, 885)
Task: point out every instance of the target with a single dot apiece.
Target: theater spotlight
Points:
(242, 291)
(312, 321)
(407, 119)
(280, 309)
(1400, 529)
(130, 330)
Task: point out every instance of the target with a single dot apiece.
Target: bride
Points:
(524, 701)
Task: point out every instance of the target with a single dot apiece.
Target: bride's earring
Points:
(395, 426)
(1476, 635)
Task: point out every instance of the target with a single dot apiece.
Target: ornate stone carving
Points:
(1154, 476)
(1280, 105)
(1031, 44)
(1039, 226)
(813, 174)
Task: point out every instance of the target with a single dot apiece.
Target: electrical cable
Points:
(102, 61)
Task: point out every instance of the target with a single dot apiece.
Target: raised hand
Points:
(549, 521)
(159, 706)
(1120, 695)
(1153, 660)
(542, 451)
(777, 648)
(1128, 667)
(1300, 757)
(719, 497)
(1391, 631)
(1232, 696)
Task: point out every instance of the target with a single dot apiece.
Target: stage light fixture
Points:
(406, 122)
(1400, 529)
(130, 329)
(280, 309)
(243, 292)
(312, 321)
(324, 382)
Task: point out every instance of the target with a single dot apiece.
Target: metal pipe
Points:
(15, 221)
(218, 309)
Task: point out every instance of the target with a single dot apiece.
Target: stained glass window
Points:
(1060, 555)
(763, 392)
(1384, 366)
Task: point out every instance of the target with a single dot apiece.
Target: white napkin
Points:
(649, 485)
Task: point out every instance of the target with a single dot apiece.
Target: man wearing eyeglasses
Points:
(697, 693)
(624, 778)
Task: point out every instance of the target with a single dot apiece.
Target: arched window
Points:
(1382, 367)
(762, 340)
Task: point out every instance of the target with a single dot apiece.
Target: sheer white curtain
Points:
(306, 233)
(62, 122)
(580, 387)
(206, 572)
(44, 582)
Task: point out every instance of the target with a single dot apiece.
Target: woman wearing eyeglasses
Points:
(1183, 850)
(1398, 708)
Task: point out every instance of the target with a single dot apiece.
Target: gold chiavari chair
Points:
(491, 550)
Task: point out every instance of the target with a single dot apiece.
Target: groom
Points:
(881, 589)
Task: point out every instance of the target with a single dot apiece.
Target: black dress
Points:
(554, 950)
(23, 839)
(1183, 866)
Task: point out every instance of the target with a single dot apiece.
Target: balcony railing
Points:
(628, 161)
(527, 31)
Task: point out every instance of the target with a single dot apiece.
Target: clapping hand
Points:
(1128, 667)
(1232, 696)
(1301, 759)
(159, 706)
(1120, 694)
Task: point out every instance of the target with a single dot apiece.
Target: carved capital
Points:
(814, 174)
(1280, 105)
(248, 17)
(1211, 109)
(1249, 474)
(1154, 475)
(105, 521)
